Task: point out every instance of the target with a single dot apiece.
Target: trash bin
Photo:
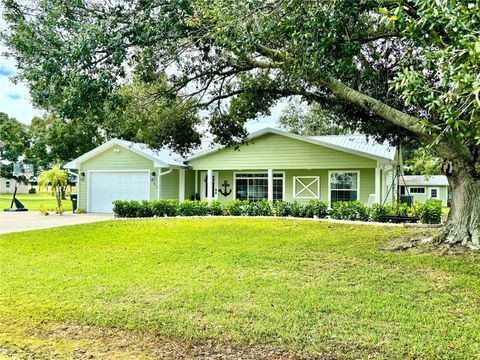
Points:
(406, 199)
(74, 197)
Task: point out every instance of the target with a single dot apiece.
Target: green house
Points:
(273, 165)
(422, 188)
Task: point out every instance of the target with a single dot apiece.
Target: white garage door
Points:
(106, 187)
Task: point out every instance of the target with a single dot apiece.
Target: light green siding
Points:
(115, 161)
(280, 152)
(189, 184)
(367, 183)
(169, 185)
(421, 198)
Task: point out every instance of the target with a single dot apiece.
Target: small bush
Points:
(161, 208)
(377, 211)
(349, 210)
(316, 208)
(430, 212)
(59, 210)
(80, 211)
(193, 208)
(259, 208)
(281, 208)
(234, 208)
(43, 210)
(297, 209)
(215, 208)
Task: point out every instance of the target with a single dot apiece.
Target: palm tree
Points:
(54, 178)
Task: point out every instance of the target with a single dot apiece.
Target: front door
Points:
(203, 185)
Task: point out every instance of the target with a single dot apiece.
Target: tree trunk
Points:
(463, 224)
(58, 196)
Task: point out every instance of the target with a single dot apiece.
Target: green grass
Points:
(33, 201)
(321, 288)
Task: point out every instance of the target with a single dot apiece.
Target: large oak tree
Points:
(404, 70)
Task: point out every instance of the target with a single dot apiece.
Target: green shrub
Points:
(257, 208)
(234, 208)
(430, 212)
(145, 209)
(349, 210)
(316, 208)
(124, 209)
(80, 211)
(192, 208)
(161, 208)
(281, 208)
(297, 209)
(377, 211)
(215, 208)
(43, 210)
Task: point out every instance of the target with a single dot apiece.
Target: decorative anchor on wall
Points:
(225, 185)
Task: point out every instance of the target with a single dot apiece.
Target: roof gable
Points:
(162, 158)
(271, 150)
(353, 144)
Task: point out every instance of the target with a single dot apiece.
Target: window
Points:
(402, 190)
(306, 187)
(7, 184)
(417, 190)
(434, 193)
(344, 186)
(254, 186)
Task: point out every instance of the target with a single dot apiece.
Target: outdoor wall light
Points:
(82, 176)
(153, 174)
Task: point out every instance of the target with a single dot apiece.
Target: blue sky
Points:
(14, 98)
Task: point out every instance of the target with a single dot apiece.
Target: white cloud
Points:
(14, 98)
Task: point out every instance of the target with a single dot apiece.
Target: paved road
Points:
(32, 220)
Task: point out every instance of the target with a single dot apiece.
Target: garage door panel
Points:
(106, 187)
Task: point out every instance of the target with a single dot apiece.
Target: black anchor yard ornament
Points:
(225, 192)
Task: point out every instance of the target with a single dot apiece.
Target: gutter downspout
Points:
(158, 180)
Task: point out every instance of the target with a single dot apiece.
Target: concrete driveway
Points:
(33, 220)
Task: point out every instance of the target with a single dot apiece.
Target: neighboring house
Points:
(274, 165)
(7, 186)
(423, 187)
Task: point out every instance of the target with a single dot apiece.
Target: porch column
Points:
(377, 184)
(181, 185)
(270, 184)
(209, 185)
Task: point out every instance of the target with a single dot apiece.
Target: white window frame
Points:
(430, 193)
(7, 184)
(417, 187)
(257, 172)
(330, 183)
(306, 187)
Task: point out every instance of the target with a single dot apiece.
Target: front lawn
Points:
(301, 286)
(33, 201)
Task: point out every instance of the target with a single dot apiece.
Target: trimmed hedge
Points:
(428, 213)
